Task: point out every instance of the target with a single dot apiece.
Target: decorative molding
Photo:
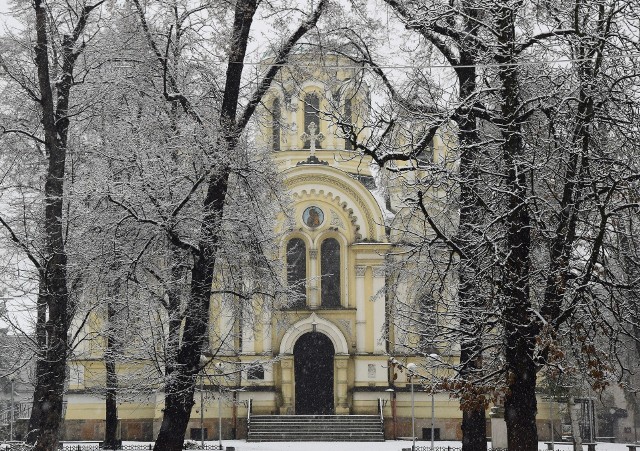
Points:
(346, 324)
(313, 254)
(351, 193)
(336, 221)
(289, 224)
(360, 270)
(310, 324)
(378, 271)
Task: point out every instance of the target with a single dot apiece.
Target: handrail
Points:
(249, 406)
(380, 407)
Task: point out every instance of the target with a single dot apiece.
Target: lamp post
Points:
(201, 411)
(435, 357)
(13, 381)
(219, 368)
(204, 360)
(411, 368)
(433, 413)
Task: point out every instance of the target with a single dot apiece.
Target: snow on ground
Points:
(390, 445)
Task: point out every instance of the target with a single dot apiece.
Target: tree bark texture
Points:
(53, 316)
(519, 341)
(474, 425)
(111, 394)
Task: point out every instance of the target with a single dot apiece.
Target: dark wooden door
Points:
(313, 363)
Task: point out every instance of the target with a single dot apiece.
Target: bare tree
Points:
(54, 63)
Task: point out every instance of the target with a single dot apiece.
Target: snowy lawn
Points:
(390, 445)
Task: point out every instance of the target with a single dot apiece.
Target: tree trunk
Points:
(474, 425)
(520, 399)
(53, 316)
(180, 386)
(111, 400)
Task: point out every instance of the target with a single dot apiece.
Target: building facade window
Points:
(297, 272)
(330, 273)
(311, 114)
(425, 156)
(276, 117)
(255, 372)
(427, 324)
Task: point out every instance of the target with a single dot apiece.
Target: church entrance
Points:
(313, 366)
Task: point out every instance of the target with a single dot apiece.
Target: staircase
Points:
(315, 428)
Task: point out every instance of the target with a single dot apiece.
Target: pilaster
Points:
(378, 309)
(360, 309)
(342, 383)
(286, 369)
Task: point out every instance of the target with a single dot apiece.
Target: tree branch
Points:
(280, 59)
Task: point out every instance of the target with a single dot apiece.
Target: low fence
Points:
(445, 448)
(98, 447)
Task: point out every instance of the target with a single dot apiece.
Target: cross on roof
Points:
(313, 137)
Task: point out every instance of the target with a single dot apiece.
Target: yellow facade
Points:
(332, 197)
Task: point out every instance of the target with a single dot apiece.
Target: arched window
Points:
(297, 272)
(330, 272)
(311, 114)
(276, 116)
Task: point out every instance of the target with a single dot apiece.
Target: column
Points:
(378, 308)
(360, 310)
(314, 298)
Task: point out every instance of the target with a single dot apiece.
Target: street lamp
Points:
(13, 416)
(435, 357)
(220, 368)
(411, 368)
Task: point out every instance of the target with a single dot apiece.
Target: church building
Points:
(326, 349)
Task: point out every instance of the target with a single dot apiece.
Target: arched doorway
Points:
(313, 366)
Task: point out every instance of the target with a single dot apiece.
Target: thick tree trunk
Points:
(40, 370)
(520, 399)
(51, 366)
(180, 387)
(46, 414)
(111, 399)
(474, 426)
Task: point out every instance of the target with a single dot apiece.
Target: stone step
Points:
(273, 428)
